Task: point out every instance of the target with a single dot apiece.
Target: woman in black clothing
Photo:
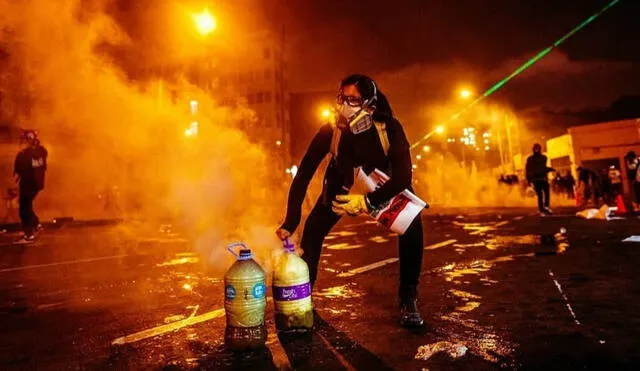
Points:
(365, 134)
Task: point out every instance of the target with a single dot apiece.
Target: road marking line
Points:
(160, 330)
(68, 262)
(382, 263)
(280, 357)
(339, 356)
(575, 319)
(440, 244)
(366, 268)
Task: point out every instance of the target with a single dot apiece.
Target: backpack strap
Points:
(384, 138)
(335, 142)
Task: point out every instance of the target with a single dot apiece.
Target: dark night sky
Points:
(420, 50)
(378, 35)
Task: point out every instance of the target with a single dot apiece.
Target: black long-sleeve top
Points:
(30, 165)
(354, 150)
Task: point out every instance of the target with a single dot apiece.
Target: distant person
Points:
(606, 190)
(29, 172)
(538, 175)
(615, 178)
(570, 183)
(584, 185)
(633, 173)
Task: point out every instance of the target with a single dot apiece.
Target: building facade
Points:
(596, 146)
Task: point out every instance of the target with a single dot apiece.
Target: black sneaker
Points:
(25, 240)
(409, 314)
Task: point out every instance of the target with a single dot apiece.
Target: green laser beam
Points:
(525, 66)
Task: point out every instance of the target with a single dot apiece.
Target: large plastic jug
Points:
(245, 300)
(292, 292)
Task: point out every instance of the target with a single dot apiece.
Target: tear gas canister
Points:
(245, 301)
(292, 292)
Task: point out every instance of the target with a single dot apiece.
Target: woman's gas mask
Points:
(355, 113)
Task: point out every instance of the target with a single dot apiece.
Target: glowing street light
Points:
(426, 148)
(205, 22)
(278, 143)
(193, 130)
(440, 129)
(418, 157)
(326, 113)
(465, 94)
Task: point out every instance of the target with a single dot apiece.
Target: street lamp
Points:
(426, 148)
(326, 113)
(440, 129)
(465, 94)
(205, 22)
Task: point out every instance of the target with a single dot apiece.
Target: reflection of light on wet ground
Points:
(464, 294)
(453, 350)
(468, 307)
(378, 239)
(476, 267)
(341, 292)
(480, 228)
(496, 242)
(180, 261)
(482, 342)
(344, 246)
(342, 234)
(477, 244)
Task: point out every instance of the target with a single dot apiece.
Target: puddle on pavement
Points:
(378, 239)
(468, 306)
(454, 350)
(458, 270)
(464, 295)
(344, 246)
(339, 292)
(342, 234)
(480, 228)
(480, 340)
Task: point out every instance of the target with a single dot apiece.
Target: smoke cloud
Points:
(125, 140)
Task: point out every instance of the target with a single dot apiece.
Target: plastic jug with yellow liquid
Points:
(245, 301)
(292, 292)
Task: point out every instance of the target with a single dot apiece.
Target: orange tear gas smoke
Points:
(106, 131)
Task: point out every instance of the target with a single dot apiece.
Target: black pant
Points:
(542, 190)
(28, 217)
(322, 219)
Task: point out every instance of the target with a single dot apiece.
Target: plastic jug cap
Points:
(245, 254)
(289, 246)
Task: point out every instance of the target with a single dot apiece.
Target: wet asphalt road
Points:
(123, 297)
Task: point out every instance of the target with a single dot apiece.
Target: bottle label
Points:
(289, 293)
(259, 290)
(229, 292)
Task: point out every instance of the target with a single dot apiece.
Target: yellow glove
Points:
(352, 205)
